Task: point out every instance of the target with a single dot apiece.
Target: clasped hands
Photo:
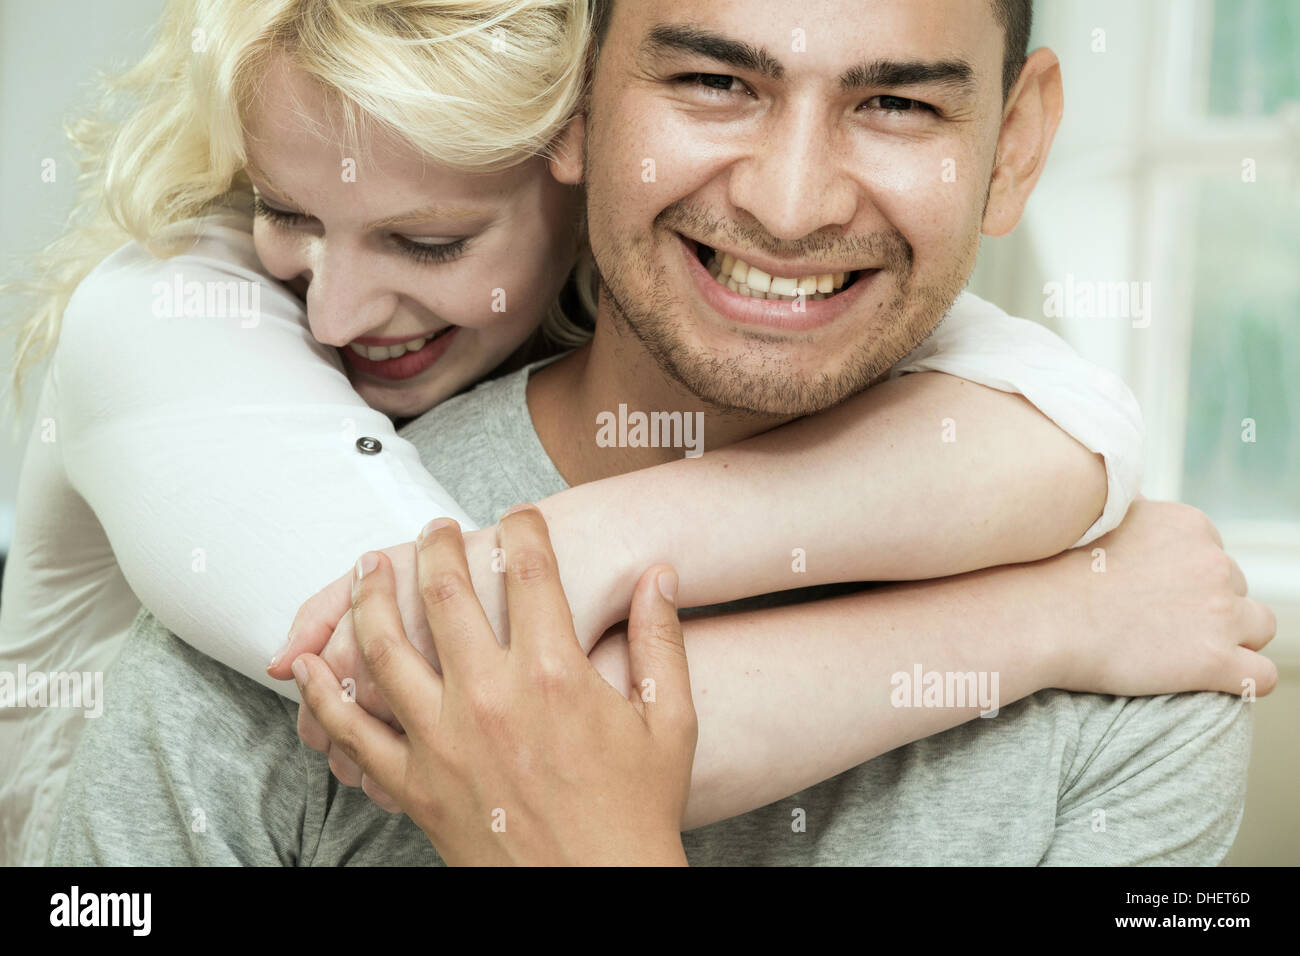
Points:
(520, 753)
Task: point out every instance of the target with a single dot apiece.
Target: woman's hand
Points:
(519, 754)
(598, 582)
(1154, 607)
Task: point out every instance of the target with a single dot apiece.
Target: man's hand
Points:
(597, 581)
(519, 754)
(323, 626)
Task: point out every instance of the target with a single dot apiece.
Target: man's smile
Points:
(741, 291)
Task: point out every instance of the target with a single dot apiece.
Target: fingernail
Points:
(275, 659)
(668, 586)
(365, 564)
(520, 507)
(299, 668)
(434, 525)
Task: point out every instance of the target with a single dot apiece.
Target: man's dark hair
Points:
(1015, 16)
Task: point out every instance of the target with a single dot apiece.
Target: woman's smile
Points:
(397, 359)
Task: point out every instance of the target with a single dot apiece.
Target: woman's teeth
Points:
(738, 276)
(377, 353)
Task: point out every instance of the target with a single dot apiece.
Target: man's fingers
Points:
(661, 683)
(370, 743)
(313, 625)
(401, 673)
(465, 641)
(541, 622)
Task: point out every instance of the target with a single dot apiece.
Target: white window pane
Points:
(1255, 57)
(1244, 380)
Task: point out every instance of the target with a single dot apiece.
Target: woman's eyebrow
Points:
(255, 172)
(438, 211)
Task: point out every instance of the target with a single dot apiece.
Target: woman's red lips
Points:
(407, 365)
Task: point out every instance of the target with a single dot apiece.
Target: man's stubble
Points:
(763, 380)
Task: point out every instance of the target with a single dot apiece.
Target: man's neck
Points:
(566, 397)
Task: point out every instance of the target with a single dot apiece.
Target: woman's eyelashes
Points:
(277, 217)
(422, 251)
(432, 250)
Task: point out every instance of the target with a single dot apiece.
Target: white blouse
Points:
(196, 452)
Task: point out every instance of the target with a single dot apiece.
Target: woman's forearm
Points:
(923, 476)
(791, 696)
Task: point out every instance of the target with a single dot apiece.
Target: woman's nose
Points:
(343, 300)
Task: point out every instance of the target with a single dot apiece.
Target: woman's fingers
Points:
(661, 683)
(1260, 624)
(367, 741)
(465, 641)
(534, 595)
(402, 675)
(1254, 674)
(313, 625)
(346, 770)
(379, 795)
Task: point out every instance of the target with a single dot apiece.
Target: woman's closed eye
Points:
(425, 249)
(421, 249)
(273, 214)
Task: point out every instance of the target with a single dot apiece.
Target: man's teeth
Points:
(377, 353)
(740, 277)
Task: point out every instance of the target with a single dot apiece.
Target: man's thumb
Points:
(661, 684)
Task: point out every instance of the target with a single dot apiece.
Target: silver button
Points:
(369, 446)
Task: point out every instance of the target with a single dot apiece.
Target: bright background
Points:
(1166, 102)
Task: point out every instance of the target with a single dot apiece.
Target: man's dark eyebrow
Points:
(672, 38)
(954, 74)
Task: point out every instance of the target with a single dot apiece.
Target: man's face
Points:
(805, 139)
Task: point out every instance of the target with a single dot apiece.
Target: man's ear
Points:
(1029, 122)
(566, 156)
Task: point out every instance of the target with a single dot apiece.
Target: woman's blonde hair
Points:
(477, 85)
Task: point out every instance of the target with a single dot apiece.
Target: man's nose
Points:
(344, 301)
(792, 182)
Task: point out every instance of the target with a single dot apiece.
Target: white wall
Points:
(50, 53)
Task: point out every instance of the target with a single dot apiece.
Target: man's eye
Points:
(712, 84)
(898, 104)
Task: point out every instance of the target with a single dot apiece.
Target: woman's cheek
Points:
(277, 254)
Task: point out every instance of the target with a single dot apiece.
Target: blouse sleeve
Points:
(979, 342)
(230, 462)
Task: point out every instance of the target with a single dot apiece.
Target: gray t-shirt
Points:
(192, 763)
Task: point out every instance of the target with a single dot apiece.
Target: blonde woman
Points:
(301, 184)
